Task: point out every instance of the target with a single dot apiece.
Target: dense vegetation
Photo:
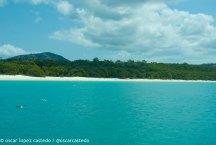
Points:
(106, 69)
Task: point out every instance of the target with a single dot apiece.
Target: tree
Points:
(96, 59)
(109, 69)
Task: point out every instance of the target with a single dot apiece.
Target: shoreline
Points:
(30, 78)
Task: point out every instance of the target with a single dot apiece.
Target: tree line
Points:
(108, 69)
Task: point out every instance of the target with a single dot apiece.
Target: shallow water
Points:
(110, 113)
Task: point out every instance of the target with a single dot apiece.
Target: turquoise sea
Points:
(109, 113)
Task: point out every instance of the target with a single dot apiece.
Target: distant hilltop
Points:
(39, 57)
(50, 64)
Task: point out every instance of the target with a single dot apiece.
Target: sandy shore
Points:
(29, 78)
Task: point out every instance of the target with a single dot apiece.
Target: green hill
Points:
(39, 57)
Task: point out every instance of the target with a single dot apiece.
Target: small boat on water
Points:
(44, 100)
(20, 106)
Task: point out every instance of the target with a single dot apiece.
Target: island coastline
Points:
(49, 78)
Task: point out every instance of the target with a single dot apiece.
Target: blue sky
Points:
(152, 30)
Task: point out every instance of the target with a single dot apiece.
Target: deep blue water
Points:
(110, 113)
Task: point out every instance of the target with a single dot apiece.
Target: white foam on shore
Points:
(29, 78)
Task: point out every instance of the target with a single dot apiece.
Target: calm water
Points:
(110, 113)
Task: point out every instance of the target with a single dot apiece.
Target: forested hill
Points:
(49, 64)
(39, 57)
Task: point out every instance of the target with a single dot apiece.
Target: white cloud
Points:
(64, 7)
(2, 2)
(36, 2)
(74, 35)
(147, 29)
(38, 19)
(123, 55)
(151, 29)
(8, 50)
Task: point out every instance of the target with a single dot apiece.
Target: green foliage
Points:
(108, 69)
(21, 68)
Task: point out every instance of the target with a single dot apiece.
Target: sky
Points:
(170, 31)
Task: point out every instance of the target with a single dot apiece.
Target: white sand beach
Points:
(30, 78)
